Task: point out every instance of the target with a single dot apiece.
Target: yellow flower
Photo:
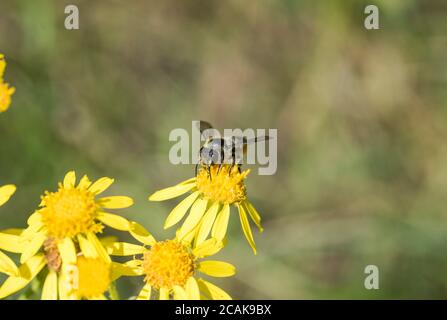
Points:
(7, 266)
(5, 90)
(68, 219)
(170, 267)
(209, 204)
(87, 277)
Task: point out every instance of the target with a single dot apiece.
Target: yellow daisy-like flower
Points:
(209, 203)
(170, 268)
(5, 90)
(88, 277)
(73, 213)
(68, 219)
(7, 266)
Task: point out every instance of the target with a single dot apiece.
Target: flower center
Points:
(69, 212)
(92, 278)
(52, 254)
(168, 263)
(225, 186)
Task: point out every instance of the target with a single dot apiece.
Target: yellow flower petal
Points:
(35, 218)
(102, 253)
(141, 234)
(135, 263)
(116, 202)
(192, 289)
(11, 243)
(13, 231)
(67, 251)
(7, 266)
(188, 181)
(87, 248)
(180, 210)
(123, 249)
(189, 237)
(171, 192)
(212, 291)
(32, 229)
(114, 221)
(101, 185)
(164, 294)
(119, 270)
(221, 224)
(99, 297)
(108, 240)
(246, 228)
(27, 272)
(207, 248)
(207, 223)
(145, 293)
(254, 215)
(196, 213)
(49, 290)
(6, 192)
(216, 268)
(84, 183)
(180, 293)
(69, 180)
(65, 290)
(32, 247)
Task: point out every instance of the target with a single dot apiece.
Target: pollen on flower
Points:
(69, 212)
(93, 277)
(224, 186)
(52, 255)
(168, 263)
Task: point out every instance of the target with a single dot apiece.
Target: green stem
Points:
(114, 295)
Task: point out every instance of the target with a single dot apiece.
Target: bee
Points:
(223, 150)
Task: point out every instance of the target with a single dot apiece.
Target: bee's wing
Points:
(257, 139)
(239, 142)
(203, 125)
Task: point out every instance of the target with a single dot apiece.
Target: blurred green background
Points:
(361, 118)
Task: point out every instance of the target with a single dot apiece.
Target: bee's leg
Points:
(209, 172)
(196, 168)
(218, 169)
(231, 163)
(239, 168)
(233, 160)
(231, 167)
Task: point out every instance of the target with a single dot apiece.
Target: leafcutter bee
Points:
(222, 150)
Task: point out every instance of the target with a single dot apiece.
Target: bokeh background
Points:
(361, 118)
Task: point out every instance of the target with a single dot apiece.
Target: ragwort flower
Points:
(170, 268)
(211, 196)
(7, 266)
(62, 235)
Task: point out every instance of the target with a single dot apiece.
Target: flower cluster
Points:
(64, 242)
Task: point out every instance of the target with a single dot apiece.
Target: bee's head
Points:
(211, 153)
